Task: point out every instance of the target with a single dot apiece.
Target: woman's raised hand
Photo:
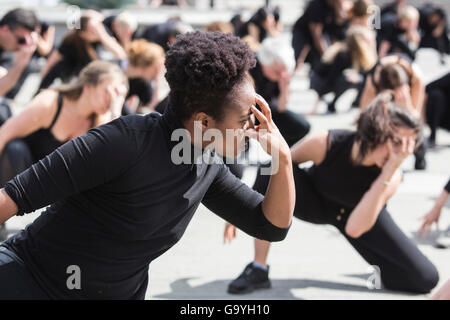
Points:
(267, 133)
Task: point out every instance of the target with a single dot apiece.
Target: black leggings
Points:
(16, 281)
(403, 267)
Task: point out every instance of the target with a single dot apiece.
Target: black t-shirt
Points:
(142, 89)
(268, 89)
(318, 11)
(390, 8)
(447, 187)
(119, 201)
(75, 58)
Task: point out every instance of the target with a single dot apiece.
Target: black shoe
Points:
(251, 279)
(3, 233)
(421, 163)
(331, 109)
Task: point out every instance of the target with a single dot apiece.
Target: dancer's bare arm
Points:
(8, 208)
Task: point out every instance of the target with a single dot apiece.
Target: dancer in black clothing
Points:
(17, 34)
(398, 75)
(400, 35)
(260, 26)
(165, 33)
(122, 194)
(77, 49)
(322, 23)
(438, 106)
(353, 176)
(122, 27)
(402, 76)
(344, 66)
(45, 42)
(272, 77)
(434, 27)
(144, 71)
(59, 114)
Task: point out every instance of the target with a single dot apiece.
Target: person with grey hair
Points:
(122, 27)
(272, 76)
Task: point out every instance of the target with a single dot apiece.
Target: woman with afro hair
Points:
(119, 195)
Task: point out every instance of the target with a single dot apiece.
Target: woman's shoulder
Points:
(338, 137)
(142, 123)
(45, 100)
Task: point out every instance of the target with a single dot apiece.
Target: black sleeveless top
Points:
(337, 178)
(42, 142)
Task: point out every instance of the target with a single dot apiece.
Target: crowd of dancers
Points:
(94, 143)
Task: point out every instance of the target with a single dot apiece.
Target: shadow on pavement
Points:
(281, 289)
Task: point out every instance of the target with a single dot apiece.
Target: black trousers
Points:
(402, 266)
(438, 111)
(339, 86)
(292, 126)
(16, 282)
(15, 158)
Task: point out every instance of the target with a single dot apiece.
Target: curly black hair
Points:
(203, 69)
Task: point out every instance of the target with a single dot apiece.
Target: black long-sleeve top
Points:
(119, 202)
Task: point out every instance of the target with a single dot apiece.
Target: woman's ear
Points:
(204, 119)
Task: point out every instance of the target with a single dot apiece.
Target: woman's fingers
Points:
(422, 228)
(404, 144)
(229, 233)
(259, 115)
(412, 145)
(264, 107)
(252, 134)
(390, 147)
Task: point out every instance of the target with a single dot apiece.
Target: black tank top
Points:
(337, 178)
(43, 142)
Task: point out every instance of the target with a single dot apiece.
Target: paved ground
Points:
(314, 262)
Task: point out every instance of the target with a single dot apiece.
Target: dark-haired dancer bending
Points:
(120, 199)
(353, 177)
